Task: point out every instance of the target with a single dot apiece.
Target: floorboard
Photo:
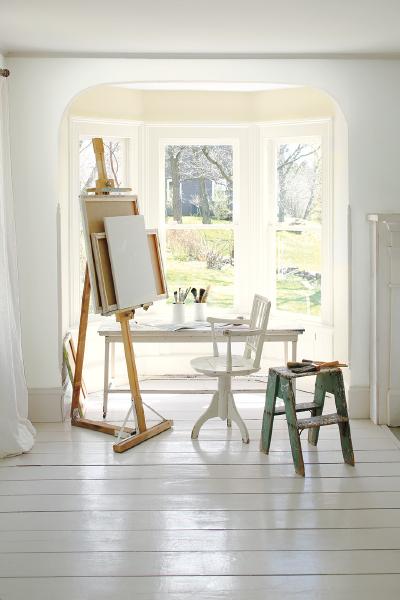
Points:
(216, 518)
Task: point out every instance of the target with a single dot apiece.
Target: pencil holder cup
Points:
(199, 311)
(178, 313)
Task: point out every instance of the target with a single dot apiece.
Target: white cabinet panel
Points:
(385, 319)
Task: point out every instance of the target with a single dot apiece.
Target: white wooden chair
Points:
(225, 367)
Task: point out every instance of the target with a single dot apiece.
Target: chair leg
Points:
(294, 436)
(233, 415)
(319, 399)
(210, 413)
(344, 428)
(223, 406)
(269, 412)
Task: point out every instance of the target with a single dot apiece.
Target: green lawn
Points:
(295, 293)
(291, 295)
(299, 249)
(181, 274)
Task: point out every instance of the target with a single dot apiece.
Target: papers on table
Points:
(161, 325)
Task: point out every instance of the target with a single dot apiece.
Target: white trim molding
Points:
(384, 318)
(47, 405)
(358, 401)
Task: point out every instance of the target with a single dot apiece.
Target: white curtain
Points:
(17, 434)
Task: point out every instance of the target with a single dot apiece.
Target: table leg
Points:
(112, 352)
(106, 379)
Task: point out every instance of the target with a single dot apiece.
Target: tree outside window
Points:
(199, 219)
(298, 227)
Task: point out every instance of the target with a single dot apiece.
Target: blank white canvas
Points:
(130, 260)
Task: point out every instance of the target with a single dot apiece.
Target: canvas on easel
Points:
(104, 272)
(157, 263)
(94, 209)
(111, 259)
(131, 266)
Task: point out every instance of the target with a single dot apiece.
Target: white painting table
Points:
(151, 334)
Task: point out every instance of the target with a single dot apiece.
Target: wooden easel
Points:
(123, 317)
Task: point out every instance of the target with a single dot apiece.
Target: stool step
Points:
(302, 406)
(320, 421)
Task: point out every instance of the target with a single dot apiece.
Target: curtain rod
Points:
(4, 72)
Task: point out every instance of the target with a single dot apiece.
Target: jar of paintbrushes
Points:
(178, 307)
(200, 303)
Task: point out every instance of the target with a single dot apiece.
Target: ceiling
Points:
(188, 27)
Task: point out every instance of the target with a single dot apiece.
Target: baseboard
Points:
(358, 402)
(393, 404)
(46, 405)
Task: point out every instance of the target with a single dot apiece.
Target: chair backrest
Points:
(258, 320)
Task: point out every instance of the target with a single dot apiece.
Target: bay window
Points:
(242, 209)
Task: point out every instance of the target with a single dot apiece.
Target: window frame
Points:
(78, 127)
(271, 135)
(158, 137)
(232, 226)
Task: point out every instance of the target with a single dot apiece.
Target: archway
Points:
(144, 107)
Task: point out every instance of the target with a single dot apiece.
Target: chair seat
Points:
(216, 365)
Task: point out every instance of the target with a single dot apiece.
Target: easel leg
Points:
(76, 408)
(123, 319)
(143, 433)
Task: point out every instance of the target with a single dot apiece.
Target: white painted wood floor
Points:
(214, 518)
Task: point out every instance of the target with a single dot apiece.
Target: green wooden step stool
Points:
(280, 385)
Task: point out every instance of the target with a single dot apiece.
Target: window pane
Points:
(198, 258)
(198, 184)
(298, 271)
(299, 183)
(299, 216)
(114, 155)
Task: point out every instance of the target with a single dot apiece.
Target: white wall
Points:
(368, 93)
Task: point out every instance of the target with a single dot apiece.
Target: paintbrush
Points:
(205, 296)
(194, 294)
(176, 297)
(201, 294)
(186, 294)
